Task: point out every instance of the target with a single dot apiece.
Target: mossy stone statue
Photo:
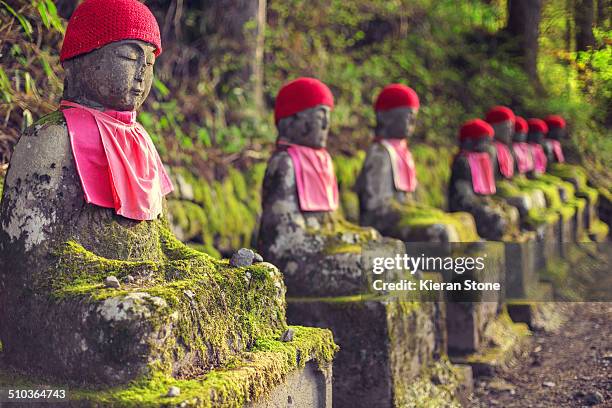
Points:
(302, 232)
(73, 216)
(387, 184)
(472, 183)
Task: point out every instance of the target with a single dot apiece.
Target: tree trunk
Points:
(569, 10)
(603, 14)
(583, 17)
(239, 29)
(524, 26)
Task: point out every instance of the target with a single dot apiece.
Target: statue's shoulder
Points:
(461, 165)
(53, 123)
(280, 161)
(43, 148)
(377, 153)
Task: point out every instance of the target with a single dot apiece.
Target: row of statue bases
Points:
(90, 171)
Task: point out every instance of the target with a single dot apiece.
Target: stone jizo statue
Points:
(95, 288)
(302, 231)
(388, 182)
(537, 142)
(556, 133)
(472, 180)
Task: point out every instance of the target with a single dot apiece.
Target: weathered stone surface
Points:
(492, 221)
(469, 314)
(521, 274)
(308, 387)
(384, 344)
(396, 213)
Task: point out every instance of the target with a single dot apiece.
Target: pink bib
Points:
(117, 162)
(557, 150)
(504, 160)
(317, 186)
(539, 157)
(404, 172)
(523, 155)
(481, 168)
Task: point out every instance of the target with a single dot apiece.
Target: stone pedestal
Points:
(470, 313)
(546, 244)
(385, 343)
(274, 374)
(521, 275)
(308, 387)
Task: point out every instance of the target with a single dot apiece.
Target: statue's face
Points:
(396, 123)
(477, 145)
(519, 137)
(117, 76)
(535, 137)
(556, 133)
(309, 127)
(504, 131)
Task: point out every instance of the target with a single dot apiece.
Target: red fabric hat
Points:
(499, 114)
(301, 94)
(396, 96)
(520, 125)
(555, 121)
(96, 23)
(537, 125)
(475, 129)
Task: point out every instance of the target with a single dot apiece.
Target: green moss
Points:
(419, 216)
(250, 376)
(221, 214)
(227, 306)
(504, 337)
(598, 231)
(436, 387)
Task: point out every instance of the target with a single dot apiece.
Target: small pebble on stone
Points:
(258, 258)
(112, 282)
(243, 257)
(129, 279)
(173, 392)
(549, 384)
(288, 335)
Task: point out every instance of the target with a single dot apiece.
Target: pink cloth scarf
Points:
(504, 160)
(404, 172)
(557, 150)
(117, 162)
(481, 168)
(539, 157)
(523, 155)
(317, 186)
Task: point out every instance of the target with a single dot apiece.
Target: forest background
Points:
(210, 110)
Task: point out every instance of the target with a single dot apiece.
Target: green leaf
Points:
(25, 24)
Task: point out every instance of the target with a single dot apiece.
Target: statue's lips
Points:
(137, 92)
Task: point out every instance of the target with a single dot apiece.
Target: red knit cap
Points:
(475, 129)
(96, 23)
(499, 114)
(301, 94)
(520, 125)
(396, 96)
(555, 121)
(537, 125)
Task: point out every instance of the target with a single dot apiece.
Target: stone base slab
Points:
(384, 343)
